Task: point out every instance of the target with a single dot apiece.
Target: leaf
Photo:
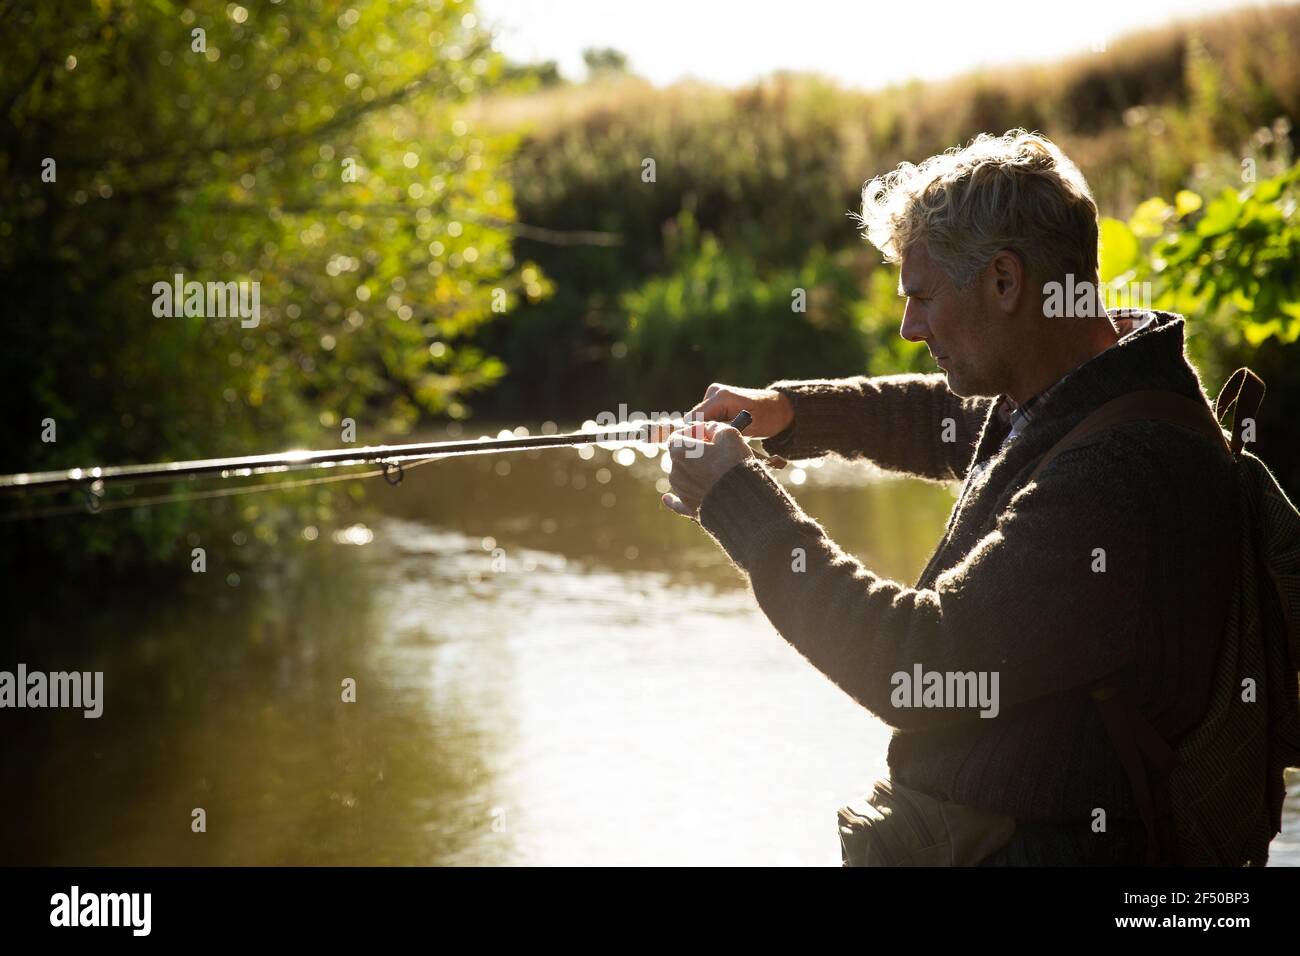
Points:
(1119, 249)
(1268, 190)
(1220, 215)
(1148, 220)
(1257, 333)
(1186, 202)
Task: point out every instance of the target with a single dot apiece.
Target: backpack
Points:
(1214, 797)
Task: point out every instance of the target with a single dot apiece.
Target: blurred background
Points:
(447, 209)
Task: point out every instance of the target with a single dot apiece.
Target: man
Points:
(1095, 568)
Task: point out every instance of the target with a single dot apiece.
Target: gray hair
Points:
(1017, 191)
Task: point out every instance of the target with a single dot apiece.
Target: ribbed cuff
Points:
(824, 417)
(746, 510)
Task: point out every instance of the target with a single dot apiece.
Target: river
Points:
(549, 668)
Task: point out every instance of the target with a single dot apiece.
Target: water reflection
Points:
(550, 668)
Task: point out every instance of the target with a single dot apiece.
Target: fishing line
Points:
(143, 502)
(392, 461)
(299, 459)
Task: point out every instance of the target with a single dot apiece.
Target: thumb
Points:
(673, 503)
(726, 436)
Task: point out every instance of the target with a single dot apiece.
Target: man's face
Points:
(961, 327)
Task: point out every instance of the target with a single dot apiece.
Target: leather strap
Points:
(1133, 736)
(1131, 733)
(1148, 404)
(1243, 392)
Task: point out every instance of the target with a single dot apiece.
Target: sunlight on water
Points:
(649, 722)
(550, 668)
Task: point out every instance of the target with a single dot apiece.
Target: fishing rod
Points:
(388, 457)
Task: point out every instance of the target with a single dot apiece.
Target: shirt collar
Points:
(1019, 416)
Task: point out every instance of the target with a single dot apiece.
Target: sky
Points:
(862, 43)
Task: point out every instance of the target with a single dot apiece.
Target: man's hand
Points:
(701, 454)
(772, 411)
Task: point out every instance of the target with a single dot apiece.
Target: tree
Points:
(316, 151)
(602, 61)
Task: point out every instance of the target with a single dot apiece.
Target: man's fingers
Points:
(687, 485)
(698, 455)
(723, 434)
(686, 448)
(697, 433)
(660, 431)
(719, 404)
(701, 431)
(683, 443)
(673, 503)
(702, 409)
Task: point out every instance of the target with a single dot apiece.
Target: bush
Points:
(770, 172)
(717, 314)
(1232, 267)
(164, 130)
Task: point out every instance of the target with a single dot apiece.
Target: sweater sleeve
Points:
(1027, 602)
(912, 424)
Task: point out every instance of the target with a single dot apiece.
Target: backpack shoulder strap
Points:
(1151, 404)
(1243, 392)
(1136, 740)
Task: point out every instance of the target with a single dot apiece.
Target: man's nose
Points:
(914, 328)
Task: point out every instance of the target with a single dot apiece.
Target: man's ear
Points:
(1006, 275)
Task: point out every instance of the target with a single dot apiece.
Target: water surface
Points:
(550, 668)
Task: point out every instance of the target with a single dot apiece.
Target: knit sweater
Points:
(1015, 586)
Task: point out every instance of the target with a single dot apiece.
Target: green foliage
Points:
(716, 314)
(764, 172)
(1119, 249)
(529, 76)
(1232, 263)
(319, 150)
(377, 294)
(603, 61)
(771, 170)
